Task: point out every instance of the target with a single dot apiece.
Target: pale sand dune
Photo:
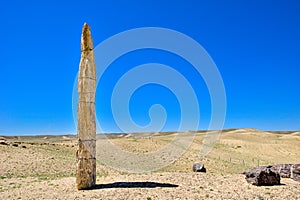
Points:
(45, 169)
(296, 133)
(128, 135)
(249, 131)
(2, 139)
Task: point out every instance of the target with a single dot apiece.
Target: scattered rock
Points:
(262, 176)
(199, 168)
(3, 143)
(15, 145)
(24, 147)
(295, 172)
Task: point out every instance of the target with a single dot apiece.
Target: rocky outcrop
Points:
(199, 168)
(262, 176)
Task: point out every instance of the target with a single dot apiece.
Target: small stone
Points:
(15, 145)
(197, 167)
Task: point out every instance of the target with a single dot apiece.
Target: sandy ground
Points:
(44, 168)
(155, 186)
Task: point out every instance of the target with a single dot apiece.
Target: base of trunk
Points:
(86, 173)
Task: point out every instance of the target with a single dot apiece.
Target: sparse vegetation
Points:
(102, 174)
(260, 197)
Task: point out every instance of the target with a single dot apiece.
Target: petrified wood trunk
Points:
(295, 172)
(284, 170)
(262, 176)
(86, 127)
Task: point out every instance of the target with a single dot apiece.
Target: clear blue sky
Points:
(255, 44)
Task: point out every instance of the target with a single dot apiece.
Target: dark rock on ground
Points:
(3, 143)
(199, 168)
(262, 176)
(15, 145)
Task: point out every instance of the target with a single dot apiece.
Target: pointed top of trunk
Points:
(86, 38)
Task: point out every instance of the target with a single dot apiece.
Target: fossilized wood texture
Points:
(262, 176)
(86, 127)
(284, 170)
(295, 172)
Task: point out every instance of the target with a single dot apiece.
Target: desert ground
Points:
(43, 167)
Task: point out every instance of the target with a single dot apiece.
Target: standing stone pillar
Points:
(86, 127)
